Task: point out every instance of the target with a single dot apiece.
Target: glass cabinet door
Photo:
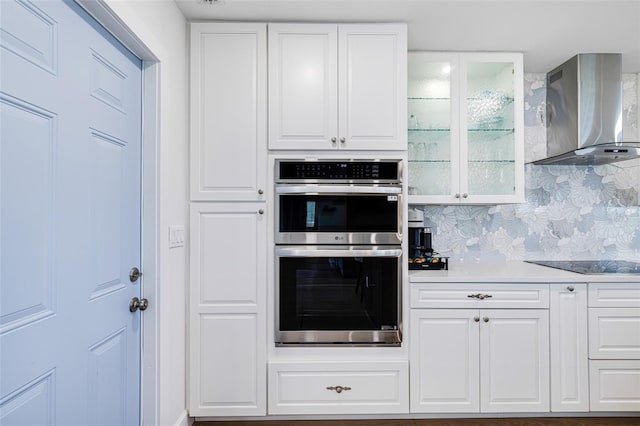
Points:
(465, 126)
(432, 124)
(488, 141)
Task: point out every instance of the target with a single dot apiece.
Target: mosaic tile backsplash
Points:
(571, 212)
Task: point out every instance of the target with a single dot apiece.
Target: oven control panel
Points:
(293, 170)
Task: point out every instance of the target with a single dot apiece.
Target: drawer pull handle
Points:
(338, 389)
(479, 296)
(570, 288)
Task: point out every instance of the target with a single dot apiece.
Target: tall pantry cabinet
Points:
(228, 233)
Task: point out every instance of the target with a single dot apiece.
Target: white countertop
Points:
(509, 272)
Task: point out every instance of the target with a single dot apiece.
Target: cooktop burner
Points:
(592, 266)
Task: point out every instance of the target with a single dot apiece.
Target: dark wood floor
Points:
(547, 421)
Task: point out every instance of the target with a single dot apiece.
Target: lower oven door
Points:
(349, 295)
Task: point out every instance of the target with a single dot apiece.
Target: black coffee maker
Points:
(420, 251)
(421, 254)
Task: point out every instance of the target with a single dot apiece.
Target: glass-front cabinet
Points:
(465, 125)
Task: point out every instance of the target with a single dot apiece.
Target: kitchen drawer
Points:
(491, 296)
(614, 295)
(614, 385)
(614, 333)
(338, 388)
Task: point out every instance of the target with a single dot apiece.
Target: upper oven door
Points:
(338, 214)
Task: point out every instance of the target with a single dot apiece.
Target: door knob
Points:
(136, 304)
(134, 274)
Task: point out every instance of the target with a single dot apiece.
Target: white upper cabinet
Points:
(228, 111)
(337, 86)
(465, 127)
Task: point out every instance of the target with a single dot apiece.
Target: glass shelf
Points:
(429, 130)
(413, 98)
(506, 100)
(429, 161)
(506, 131)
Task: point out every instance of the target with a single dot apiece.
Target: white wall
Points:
(160, 26)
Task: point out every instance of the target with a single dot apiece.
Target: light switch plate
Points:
(176, 236)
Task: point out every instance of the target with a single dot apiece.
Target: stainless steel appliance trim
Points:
(339, 337)
(342, 251)
(337, 189)
(336, 337)
(391, 238)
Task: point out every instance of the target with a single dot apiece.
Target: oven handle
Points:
(337, 189)
(338, 252)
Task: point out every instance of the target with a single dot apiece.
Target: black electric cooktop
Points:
(592, 266)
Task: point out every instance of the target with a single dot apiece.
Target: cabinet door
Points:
(614, 333)
(444, 361)
(514, 360)
(491, 128)
(228, 111)
(615, 385)
(568, 346)
(372, 86)
(434, 169)
(227, 328)
(303, 90)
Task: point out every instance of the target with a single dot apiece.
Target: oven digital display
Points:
(340, 170)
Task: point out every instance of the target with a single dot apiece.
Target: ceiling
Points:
(548, 32)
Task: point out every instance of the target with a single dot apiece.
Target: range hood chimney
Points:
(584, 112)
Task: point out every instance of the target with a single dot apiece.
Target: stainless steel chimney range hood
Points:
(584, 112)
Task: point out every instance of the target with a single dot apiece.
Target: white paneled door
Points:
(70, 122)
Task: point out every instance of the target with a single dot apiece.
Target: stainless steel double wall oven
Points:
(338, 252)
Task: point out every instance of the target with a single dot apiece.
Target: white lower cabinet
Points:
(614, 346)
(227, 328)
(445, 361)
(568, 348)
(479, 360)
(514, 360)
(615, 385)
(362, 387)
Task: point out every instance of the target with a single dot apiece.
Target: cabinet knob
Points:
(485, 319)
(333, 140)
(570, 288)
(476, 319)
(465, 195)
(457, 195)
(261, 211)
(342, 140)
(260, 191)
